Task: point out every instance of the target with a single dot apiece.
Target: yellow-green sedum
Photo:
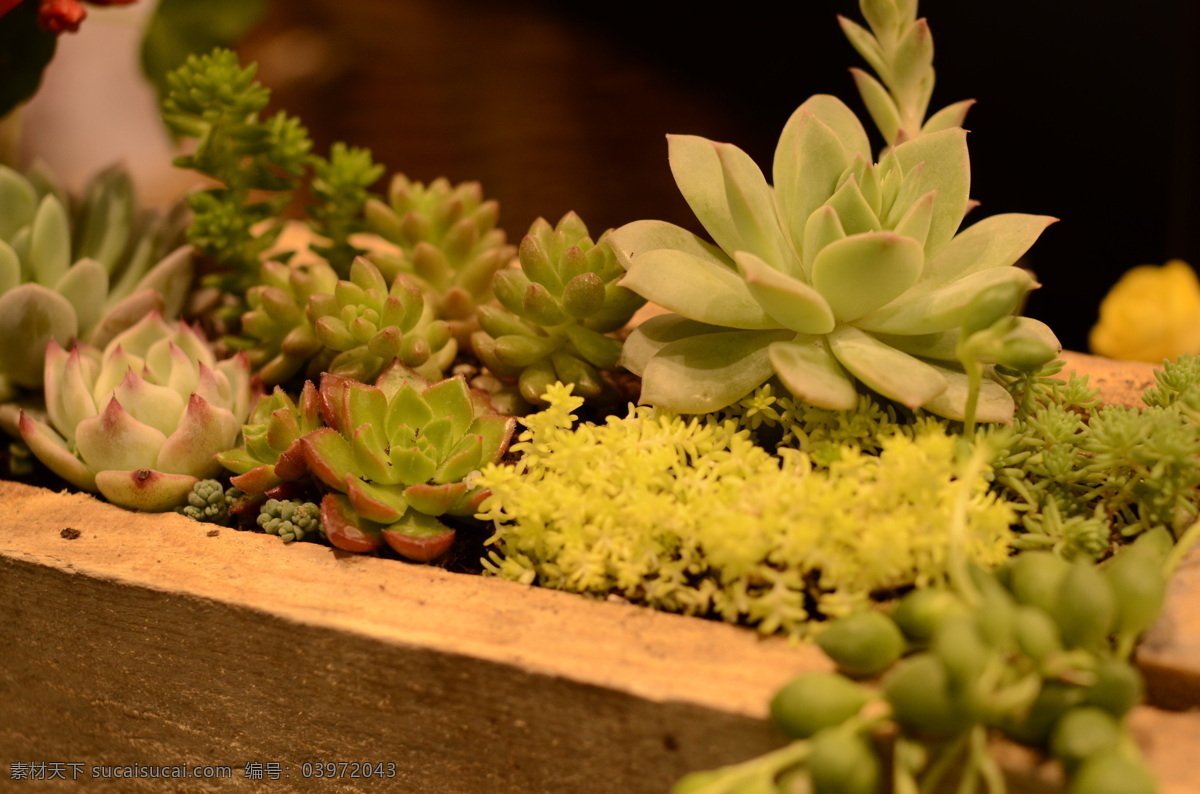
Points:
(690, 515)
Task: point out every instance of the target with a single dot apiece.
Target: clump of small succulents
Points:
(558, 308)
(368, 321)
(848, 270)
(1037, 653)
(141, 420)
(79, 268)
(399, 455)
(209, 501)
(446, 237)
(290, 519)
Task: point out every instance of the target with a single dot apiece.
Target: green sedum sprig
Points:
(214, 100)
(259, 162)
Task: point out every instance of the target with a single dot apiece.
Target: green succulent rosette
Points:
(271, 452)
(555, 312)
(142, 420)
(446, 236)
(302, 318)
(847, 271)
(79, 268)
(277, 336)
(398, 454)
(367, 322)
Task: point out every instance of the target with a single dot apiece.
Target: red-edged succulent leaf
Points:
(419, 537)
(434, 500)
(257, 480)
(345, 528)
(292, 463)
(329, 456)
(466, 457)
(496, 433)
(332, 399)
(145, 489)
(376, 503)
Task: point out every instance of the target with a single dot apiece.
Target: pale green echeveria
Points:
(846, 272)
(141, 421)
(86, 273)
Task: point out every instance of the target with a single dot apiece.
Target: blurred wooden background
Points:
(1086, 110)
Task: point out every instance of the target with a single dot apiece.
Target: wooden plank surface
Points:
(151, 639)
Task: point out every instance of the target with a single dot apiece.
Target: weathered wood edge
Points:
(709, 682)
(605, 644)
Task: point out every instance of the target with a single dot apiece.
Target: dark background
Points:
(1086, 110)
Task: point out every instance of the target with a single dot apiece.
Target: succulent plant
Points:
(141, 421)
(79, 269)
(399, 453)
(847, 271)
(369, 322)
(302, 317)
(290, 519)
(209, 502)
(271, 452)
(446, 236)
(557, 308)
(277, 335)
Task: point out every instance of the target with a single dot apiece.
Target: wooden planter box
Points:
(136, 639)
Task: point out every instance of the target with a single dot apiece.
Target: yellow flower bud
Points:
(1151, 314)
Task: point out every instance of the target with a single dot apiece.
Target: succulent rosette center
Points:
(141, 421)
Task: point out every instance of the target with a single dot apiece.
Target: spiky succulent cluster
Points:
(277, 335)
(140, 421)
(367, 321)
(446, 235)
(847, 271)
(398, 454)
(290, 519)
(302, 317)
(79, 268)
(556, 311)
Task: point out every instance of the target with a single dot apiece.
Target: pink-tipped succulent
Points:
(141, 421)
(399, 454)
